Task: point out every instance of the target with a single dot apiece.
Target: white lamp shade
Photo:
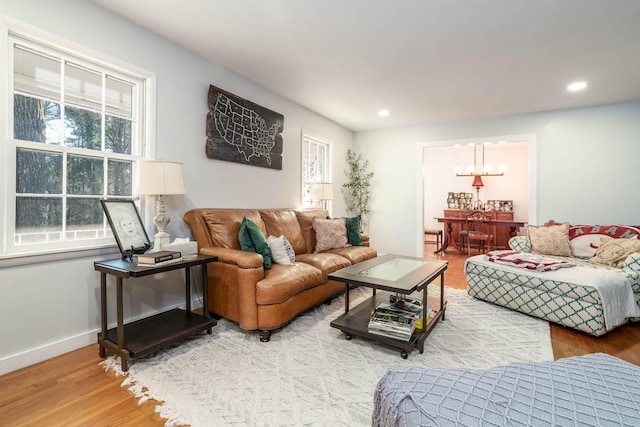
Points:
(159, 177)
(321, 191)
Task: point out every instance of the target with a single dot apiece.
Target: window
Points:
(76, 129)
(316, 168)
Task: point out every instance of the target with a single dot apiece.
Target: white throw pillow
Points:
(281, 250)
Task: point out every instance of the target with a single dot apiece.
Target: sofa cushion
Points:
(353, 230)
(355, 254)
(330, 233)
(224, 225)
(550, 239)
(305, 219)
(281, 250)
(614, 252)
(283, 222)
(325, 261)
(252, 239)
(285, 281)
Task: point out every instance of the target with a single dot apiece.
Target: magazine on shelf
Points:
(388, 320)
(415, 305)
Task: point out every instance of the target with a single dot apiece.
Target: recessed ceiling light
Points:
(383, 113)
(574, 87)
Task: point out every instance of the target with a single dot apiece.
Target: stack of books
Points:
(388, 320)
(157, 259)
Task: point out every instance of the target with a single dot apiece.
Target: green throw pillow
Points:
(353, 230)
(252, 239)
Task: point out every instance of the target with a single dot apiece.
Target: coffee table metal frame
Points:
(355, 322)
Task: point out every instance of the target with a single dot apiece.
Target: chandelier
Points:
(473, 170)
(477, 174)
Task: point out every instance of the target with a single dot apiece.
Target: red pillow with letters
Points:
(585, 239)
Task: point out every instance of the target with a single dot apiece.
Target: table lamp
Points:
(160, 178)
(321, 191)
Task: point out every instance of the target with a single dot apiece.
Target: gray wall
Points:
(585, 171)
(49, 308)
(584, 166)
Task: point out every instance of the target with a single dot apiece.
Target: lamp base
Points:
(161, 238)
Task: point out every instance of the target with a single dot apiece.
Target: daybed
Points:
(594, 285)
(246, 287)
(592, 390)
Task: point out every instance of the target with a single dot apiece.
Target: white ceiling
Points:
(427, 61)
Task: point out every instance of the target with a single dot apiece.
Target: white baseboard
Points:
(39, 354)
(42, 353)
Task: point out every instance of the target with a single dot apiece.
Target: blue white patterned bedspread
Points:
(593, 390)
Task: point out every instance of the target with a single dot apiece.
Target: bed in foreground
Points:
(592, 390)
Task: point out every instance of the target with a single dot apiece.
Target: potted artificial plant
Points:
(357, 188)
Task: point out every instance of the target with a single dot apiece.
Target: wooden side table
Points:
(144, 336)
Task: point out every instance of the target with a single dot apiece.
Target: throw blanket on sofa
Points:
(592, 390)
(527, 260)
(614, 288)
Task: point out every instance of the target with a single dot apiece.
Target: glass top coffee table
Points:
(393, 274)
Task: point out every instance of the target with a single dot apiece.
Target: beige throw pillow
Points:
(613, 252)
(550, 239)
(330, 233)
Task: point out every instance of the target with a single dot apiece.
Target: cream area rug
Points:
(309, 374)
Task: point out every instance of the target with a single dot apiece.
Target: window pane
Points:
(315, 162)
(117, 135)
(38, 219)
(119, 174)
(84, 219)
(119, 97)
(36, 74)
(83, 129)
(36, 120)
(89, 115)
(82, 87)
(38, 172)
(85, 175)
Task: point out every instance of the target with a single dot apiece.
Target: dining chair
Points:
(479, 230)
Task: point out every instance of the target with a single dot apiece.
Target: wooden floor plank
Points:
(74, 389)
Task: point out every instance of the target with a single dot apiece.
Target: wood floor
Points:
(74, 390)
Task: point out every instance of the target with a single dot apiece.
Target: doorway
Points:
(437, 163)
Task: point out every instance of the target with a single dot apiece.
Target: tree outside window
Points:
(77, 134)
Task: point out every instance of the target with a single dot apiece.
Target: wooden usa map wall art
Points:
(243, 132)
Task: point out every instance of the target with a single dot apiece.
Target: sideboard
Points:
(502, 233)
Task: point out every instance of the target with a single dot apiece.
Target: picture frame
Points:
(126, 225)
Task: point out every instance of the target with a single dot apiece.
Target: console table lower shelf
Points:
(153, 333)
(355, 322)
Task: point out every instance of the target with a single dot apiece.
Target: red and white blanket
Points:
(527, 260)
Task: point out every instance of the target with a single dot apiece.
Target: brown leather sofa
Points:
(241, 290)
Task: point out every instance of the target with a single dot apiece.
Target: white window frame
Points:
(144, 146)
(310, 174)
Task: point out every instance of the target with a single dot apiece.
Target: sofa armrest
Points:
(232, 284)
(242, 259)
(365, 239)
(632, 262)
(520, 243)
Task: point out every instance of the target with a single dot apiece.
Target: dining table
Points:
(448, 229)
